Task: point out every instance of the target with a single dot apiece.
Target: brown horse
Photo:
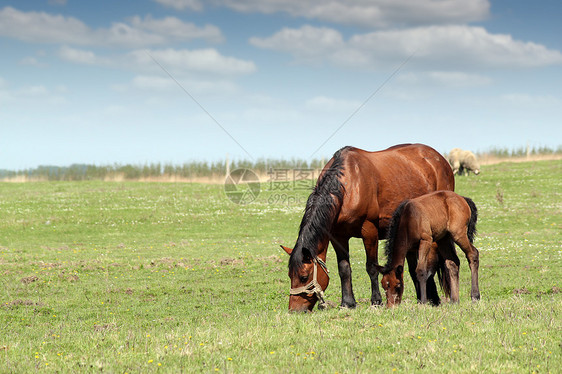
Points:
(355, 196)
(417, 227)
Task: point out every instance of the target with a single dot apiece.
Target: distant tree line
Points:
(203, 169)
(189, 170)
(522, 151)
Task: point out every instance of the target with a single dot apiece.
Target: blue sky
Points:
(179, 80)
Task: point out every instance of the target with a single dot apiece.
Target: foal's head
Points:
(393, 284)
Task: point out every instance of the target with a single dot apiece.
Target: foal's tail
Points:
(471, 232)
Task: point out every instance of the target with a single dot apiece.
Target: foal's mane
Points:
(392, 234)
(321, 210)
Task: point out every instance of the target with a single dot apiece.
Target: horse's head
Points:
(393, 284)
(308, 281)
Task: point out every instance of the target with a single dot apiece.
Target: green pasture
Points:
(148, 277)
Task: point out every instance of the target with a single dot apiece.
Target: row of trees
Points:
(198, 169)
(190, 170)
(522, 151)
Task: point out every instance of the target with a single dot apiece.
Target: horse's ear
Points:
(287, 249)
(379, 268)
(399, 270)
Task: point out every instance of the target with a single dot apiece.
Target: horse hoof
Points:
(348, 306)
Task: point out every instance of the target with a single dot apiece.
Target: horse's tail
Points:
(471, 232)
(393, 231)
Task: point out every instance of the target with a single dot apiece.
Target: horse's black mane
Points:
(321, 210)
(392, 233)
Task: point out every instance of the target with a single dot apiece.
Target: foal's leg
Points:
(412, 258)
(452, 272)
(371, 243)
(432, 264)
(451, 268)
(341, 245)
(473, 258)
(422, 270)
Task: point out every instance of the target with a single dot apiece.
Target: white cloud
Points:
(153, 83)
(81, 56)
(533, 101)
(177, 29)
(364, 13)
(450, 47)
(31, 96)
(176, 61)
(459, 45)
(145, 82)
(198, 61)
(41, 27)
(370, 13)
(459, 79)
(31, 61)
(182, 4)
(307, 43)
(323, 103)
(38, 90)
(445, 78)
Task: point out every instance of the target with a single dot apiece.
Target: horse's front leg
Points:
(370, 237)
(432, 265)
(341, 246)
(422, 269)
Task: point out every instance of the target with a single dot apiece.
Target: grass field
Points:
(146, 277)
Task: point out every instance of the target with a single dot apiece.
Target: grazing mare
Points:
(355, 196)
(417, 226)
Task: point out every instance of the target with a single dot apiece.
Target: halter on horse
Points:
(313, 287)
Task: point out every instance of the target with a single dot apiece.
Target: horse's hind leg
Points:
(371, 243)
(473, 258)
(452, 273)
(450, 268)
